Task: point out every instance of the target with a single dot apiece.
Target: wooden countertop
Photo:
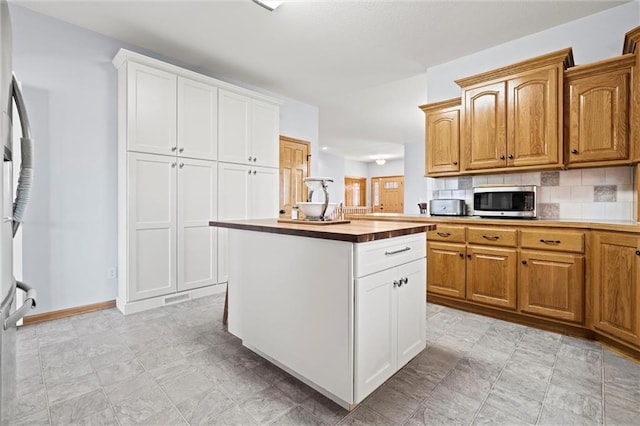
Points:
(622, 226)
(358, 231)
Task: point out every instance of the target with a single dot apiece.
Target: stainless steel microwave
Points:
(505, 201)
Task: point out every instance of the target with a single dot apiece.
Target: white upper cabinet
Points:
(197, 120)
(264, 130)
(249, 130)
(151, 110)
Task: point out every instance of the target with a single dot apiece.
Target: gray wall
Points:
(70, 227)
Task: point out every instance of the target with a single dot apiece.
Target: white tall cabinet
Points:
(182, 135)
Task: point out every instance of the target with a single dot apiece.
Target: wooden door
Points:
(197, 120)
(616, 263)
(233, 128)
(484, 127)
(491, 276)
(551, 284)
(355, 191)
(411, 314)
(152, 225)
(442, 137)
(265, 127)
(387, 194)
(151, 110)
(197, 241)
(534, 118)
(597, 117)
(446, 269)
(295, 164)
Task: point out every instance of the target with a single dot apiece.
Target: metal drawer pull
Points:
(388, 253)
(550, 241)
(491, 237)
(444, 234)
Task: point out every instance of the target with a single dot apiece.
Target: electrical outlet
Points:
(111, 273)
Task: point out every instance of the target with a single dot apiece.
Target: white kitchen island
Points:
(341, 306)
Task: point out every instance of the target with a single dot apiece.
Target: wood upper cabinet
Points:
(631, 41)
(491, 275)
(597, 112)
(512, 116)
(616, 298)
(442, 137)
(551, 285)
(446, 269)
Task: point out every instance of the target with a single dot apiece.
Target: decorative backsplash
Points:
(596, 194)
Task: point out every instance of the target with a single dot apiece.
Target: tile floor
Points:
(178, 365)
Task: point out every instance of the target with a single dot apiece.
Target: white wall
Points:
(415, 184)
(70, 226)
(592, 38)
(333, 166)
(390, 168)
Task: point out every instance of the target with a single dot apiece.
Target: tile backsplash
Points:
(597, 194)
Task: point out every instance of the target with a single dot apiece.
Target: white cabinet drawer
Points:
(379, 255)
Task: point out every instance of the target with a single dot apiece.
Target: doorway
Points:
(295, 163)
(387, 194)
(355, 191)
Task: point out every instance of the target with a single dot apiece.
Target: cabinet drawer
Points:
(551, 239)
(492, 236)
(450, 233)
(379, 255)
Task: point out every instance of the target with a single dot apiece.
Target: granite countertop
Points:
(357, 231)
(605, 225)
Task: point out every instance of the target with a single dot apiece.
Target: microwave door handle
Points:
(25, 179)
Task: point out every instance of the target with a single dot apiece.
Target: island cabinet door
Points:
(411, 295)
(491, 276)
(375, 337)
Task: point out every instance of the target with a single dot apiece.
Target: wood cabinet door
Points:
(197, 241)
(598, 118)
(233, 128)
(197, 120)
(151, 110)
(443, 141)
(491, 276)
(411, 311)
(616, 263)
(375, 346)
(484, 127)
(551, 285)
(446, 269)
(264, 133)
(534, 119)
(152, 225)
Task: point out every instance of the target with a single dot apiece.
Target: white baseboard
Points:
(168, 299)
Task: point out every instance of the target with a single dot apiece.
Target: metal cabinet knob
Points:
(249, 172)
(637, 252)
(173, 149)
(173, 165)
(524, 262)
(181, 150)
(502, 157)
(455, 163)
(510, 156)
(574, 151)
(395, 283)
(468, 256)
(254, 159)
(462, 255)
(250, 158)
(254, 172)
(181, 165)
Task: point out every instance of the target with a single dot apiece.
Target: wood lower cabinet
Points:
(491, 275)
(551, 285)
(446, 270)
(616, 265)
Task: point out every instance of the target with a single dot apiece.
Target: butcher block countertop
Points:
(357, 231)
(622, 226)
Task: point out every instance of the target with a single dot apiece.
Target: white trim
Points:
(165, 300)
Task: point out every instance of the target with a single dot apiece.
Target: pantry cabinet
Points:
(442, 131)
(197, 126)
(512, 116)
(597, 112)
(616, 269)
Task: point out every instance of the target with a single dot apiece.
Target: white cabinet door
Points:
(151, 110)
(152, 225)
(263, 193)
(265, 133)
(375, 334)
(197, 241)
(234, 142)
(411, 310)
(197, 120)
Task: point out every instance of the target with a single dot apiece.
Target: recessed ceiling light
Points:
(324, 148)
(269, 5)
(380, 161)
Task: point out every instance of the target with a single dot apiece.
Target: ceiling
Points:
(362, 63)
